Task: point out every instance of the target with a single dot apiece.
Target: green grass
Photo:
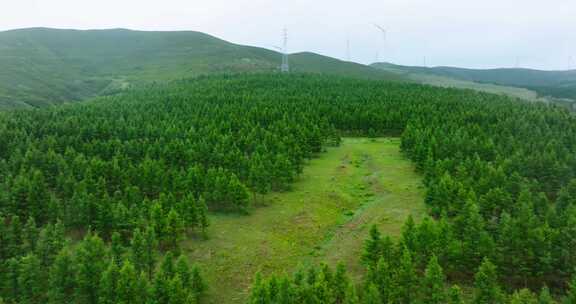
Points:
(325, 217)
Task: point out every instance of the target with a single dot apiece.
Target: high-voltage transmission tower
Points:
(285, 67)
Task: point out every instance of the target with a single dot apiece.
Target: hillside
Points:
(42, 66)
(558, 84)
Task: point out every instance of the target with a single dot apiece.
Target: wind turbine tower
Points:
(384, 34)
(285, 67)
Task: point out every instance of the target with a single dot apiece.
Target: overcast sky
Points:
(470, 33)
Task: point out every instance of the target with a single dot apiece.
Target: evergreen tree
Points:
(455, 295)
(351, 296)
(406, 278)
(486, 283)
(183, 270)
(13, 290)
(202, 211)
(138, 250)
(30, 235)
(523, 296)
(371, 295)
(372, 247)
(434, 283)
(545, 297)
(62, 280)
(109, 284)
(173, 229)
(116, 247)
(90, 267)
(199, 286)
(177, 292)
(149, 252)
(30, 280)
(128, 289)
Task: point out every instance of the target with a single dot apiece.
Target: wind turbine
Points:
(384, 36)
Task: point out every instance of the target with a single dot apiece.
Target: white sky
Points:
(470, 33)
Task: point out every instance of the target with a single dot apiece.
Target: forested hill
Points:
(559, 84)
(42, 66)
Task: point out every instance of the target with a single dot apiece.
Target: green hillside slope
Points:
(558, 84)
(43, 66)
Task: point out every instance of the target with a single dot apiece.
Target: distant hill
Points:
(41, 66)
(558, 84)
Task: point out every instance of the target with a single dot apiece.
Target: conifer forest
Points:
(100, 199)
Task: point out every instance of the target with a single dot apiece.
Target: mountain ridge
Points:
(44, 66)
(559, 84)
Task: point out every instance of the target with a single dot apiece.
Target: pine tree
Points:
(476, 241)
(372, 247)
(371, 295)
(62, 280)
(90, 267)
(12, 287)
(173, 229)
(340, 283)
(157, 219)
(202, 211)
(161, 289)
(167, 268)
(199, 286)
(434, 282)
(14, 237)
(545, 297)
(486, 283)
(128, 289)
(188, 210)
(523, 296)
(109, 284)
(409, 237)
(455, 295)
(116, 248)
(30, 280)
(149, 256)
(138, 250)
(30, 235)
(406, 278)
(351, 295)
(183, 270)
(177, 292)
(384, 277)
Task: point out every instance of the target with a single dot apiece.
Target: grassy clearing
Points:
(325, 217)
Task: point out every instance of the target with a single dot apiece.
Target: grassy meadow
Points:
(325, 217)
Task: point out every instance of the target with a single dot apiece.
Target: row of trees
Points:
(395, 275)
(43, 266)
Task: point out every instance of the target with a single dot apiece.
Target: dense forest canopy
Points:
(133, 173)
